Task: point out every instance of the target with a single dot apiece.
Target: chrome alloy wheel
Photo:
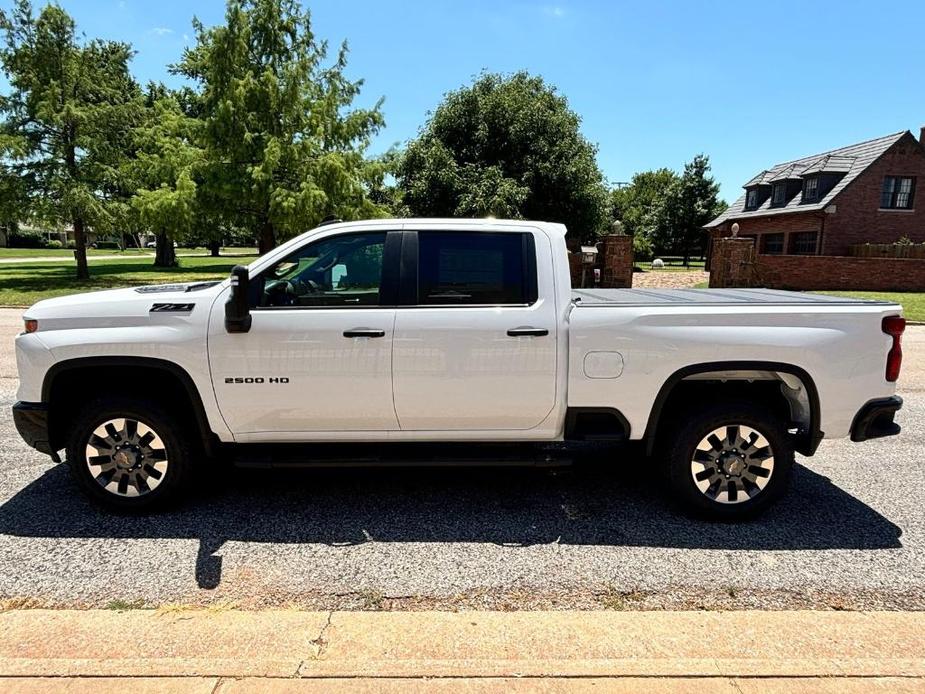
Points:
(732, 464)
(126, 457)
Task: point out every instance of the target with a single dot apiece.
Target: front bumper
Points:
(31, 419)
(875, 419)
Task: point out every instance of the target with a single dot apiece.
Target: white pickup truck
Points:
(448, 341)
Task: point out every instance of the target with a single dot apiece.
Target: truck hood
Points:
(124, 307)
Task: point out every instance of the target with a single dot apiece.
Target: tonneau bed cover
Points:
(712, 297)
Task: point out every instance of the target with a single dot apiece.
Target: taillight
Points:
(894, 327)
(31, 325)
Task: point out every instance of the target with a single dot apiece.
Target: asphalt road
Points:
(850, 534)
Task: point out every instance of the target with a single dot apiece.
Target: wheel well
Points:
(790, 394)
(69, 386)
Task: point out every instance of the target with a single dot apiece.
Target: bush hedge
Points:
(26, 239)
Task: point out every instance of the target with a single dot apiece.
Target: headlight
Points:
(31, 325)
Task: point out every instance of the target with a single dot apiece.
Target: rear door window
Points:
(476, 268)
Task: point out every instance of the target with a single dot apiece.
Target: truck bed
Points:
(709, 297)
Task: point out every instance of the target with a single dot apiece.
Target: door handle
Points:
(527, 332)
(364, 332)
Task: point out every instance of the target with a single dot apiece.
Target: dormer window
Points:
(811, 189)
(751, 199)
(779, 194)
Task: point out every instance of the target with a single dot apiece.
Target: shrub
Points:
(55, 244)
(112, 245)
(71, 245)
(26, 239)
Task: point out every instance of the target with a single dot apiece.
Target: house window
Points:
(897, 193)
(811, 189)
(779, 195)
(803, 243)
(751, 199)
(772, 244)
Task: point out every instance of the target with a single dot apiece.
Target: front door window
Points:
(344, 270)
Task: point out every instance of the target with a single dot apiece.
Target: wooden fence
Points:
(887, 250)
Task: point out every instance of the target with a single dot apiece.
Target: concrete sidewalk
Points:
(235, 651)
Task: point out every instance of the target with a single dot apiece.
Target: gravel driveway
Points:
(850, 534)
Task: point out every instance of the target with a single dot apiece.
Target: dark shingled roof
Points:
(851, 161)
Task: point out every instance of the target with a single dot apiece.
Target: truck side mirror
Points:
(237, 308)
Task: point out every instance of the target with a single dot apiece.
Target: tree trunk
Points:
(214, 247)
(80, 249)
(266, 239)
(164, 254)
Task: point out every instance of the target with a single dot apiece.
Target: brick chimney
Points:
(922, 135)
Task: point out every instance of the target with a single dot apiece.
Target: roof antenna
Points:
(330, 219)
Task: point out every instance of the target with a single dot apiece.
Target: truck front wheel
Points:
(129, 454)
(729, 461)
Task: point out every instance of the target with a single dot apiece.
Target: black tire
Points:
(175, 441)
(689, 431)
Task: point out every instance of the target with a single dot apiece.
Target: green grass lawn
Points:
(913, 303)
(66, 252)
(24, 284)
(128, 252)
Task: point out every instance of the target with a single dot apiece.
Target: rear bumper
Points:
(31, 420)
(875, 419)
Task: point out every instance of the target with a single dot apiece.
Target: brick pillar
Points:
(733, 262)
(617, 261)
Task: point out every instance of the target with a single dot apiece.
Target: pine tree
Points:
(66, 120)
(283, 146)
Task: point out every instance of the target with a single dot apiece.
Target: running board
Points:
(398, 455)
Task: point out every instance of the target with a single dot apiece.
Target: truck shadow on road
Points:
(585, 505)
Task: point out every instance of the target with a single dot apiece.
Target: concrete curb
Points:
(287, 644)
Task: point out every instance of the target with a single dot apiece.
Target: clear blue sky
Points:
(655, 82)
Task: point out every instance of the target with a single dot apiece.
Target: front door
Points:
(318, 356)
(475, 345)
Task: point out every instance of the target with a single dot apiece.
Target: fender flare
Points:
(806, 441)
(199, 411)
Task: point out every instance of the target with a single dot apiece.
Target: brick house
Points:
(822, 204)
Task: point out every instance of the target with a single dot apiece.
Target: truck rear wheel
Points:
(129, 454)
(729, 461)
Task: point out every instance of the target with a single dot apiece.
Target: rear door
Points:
(475, 344)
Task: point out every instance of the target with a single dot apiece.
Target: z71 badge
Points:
(256, 379)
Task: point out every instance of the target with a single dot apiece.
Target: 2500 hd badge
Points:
(256, 379)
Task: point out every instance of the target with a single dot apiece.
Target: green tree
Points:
(507, 146)
(66, 119)
(689, 202)
(14, 203)
(164, 169)
(283, 146)
(635, 205)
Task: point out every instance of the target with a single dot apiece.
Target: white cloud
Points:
(554, 11)
(161, 31)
